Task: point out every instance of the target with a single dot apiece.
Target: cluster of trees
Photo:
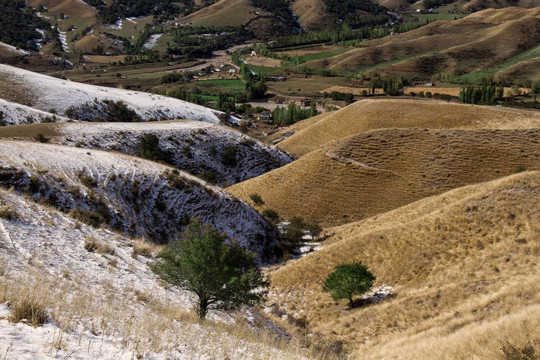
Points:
(279, 8)
(340, 96)
(345, 33)
(292, 113)
(201, 42)
(390, 86)
(356, 13)
(482, 94)
(18, 24)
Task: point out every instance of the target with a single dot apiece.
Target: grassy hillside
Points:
(369, 114)
(380, 170)
(463, 272)
(477, 42)
(222, 13)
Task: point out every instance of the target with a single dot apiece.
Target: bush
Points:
(257, 199)
(228, 157)
(271, 215)
(34, 313)
(88, 217)
(349, 280)
(208, 176)
(149, 148)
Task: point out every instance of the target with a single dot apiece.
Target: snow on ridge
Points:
(50, 92)
(140, 197)
(13, 49)
(15, 114)
(193, 146)
(102, 305)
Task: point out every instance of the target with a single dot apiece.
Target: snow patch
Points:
(151, 42)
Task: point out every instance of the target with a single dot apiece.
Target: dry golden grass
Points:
(464, 265)
(380, 170)
(352, 90)
(91, 41)
(371, 114)
(311, 13)
(223, 13)
(72, 8)
(479, 41)
(263, 61)
(296, 127)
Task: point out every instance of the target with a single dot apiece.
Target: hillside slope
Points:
(47, 93)
(133, 196)
(193, 146)
(365, 115)
(380, 170)
(462, 269)
(102, 302)
(15, 114)
(478, 42)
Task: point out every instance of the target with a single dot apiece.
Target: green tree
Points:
(222, 276)
(349, 280)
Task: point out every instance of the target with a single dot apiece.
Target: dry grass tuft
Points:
(144, 248)
(92, 244)
(28, 311)
(9, 214)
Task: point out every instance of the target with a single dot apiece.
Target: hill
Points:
(223, 13)
(47, 93)
(380, 170)
(99, 298)
(71, 8)
(485, 43)
(370, 114)
(219, 154)
(459, 270)
(14, 114)
(133, 196)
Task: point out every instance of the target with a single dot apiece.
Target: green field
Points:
(232, 84)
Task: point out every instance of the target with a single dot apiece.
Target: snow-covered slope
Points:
(130, 195)
(51, 93)
(99, 304)
(192, 146)
(15, 114)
